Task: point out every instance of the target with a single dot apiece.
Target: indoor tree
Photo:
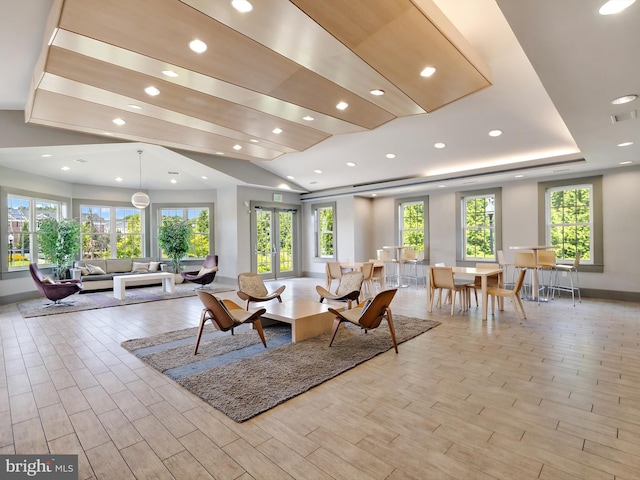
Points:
(59, 242)
(173, 237)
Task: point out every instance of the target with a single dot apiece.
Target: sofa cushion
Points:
(154, 266)
(97, 262)
(117, 265)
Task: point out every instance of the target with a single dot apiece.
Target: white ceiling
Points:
(556, 110)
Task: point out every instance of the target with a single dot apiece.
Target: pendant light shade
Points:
(140, 199)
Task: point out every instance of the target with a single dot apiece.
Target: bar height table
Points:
(398, 249)
(535, 249)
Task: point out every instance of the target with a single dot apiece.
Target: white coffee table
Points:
(120, 282)
(307, 318)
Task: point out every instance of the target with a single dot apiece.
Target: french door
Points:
(274, 239)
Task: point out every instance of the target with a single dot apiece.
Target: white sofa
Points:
(98, 274)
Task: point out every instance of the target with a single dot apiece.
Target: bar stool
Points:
(525, 260)
(573, 287)
(546, 263)
(505, 268)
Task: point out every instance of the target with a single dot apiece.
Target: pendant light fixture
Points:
(140, 199)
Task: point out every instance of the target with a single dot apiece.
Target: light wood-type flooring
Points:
(555, 398)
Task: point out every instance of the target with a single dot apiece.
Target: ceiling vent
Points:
(630, 115)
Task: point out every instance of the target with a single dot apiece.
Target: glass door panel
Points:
(274, 242)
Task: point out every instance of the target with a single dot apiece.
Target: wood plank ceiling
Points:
(283, 65)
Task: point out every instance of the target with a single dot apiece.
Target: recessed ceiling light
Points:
(134, 106)
(374, 194)
(153, 91)
(318, 171)
(173, 180)
(625, 144)
(277, 130)
(428, 71)
(615, 6)
(108, 133)
(377, 92)
(441, 186)
(119, 121)
(198, 46)
(439, 145)
(45, 155)
(219, 153)
(253, 140)
(351, 164)
(237, 147)
(169, 73)
(242, 6)
(290, 177)
(628, 162)
(203, 177)
(390, 155)
(65, 168)
(624, 99)
(519, 175)
(119, 179)
(495, 133)
(342, 105)
(308, 118)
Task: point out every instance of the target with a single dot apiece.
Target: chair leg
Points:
(334, 330)
(524, 314)
(258, 326)
(203, 320)
(392, 330)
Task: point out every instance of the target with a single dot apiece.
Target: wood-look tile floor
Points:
(555, 398)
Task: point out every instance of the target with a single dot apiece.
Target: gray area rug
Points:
(239, 377)
(104, 299)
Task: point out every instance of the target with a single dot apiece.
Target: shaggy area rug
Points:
(239, 377)
(104, 299)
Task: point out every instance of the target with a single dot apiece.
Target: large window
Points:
(325, 230)
(111, 232)
(23, 222)
(198, 218)
(479, 226)
(569, 222)
(412, 225)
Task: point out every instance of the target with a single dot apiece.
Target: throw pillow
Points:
(83, 268)
(154, 266)
(140, 267)
(95, 270)
(204, 271)
(48, 280)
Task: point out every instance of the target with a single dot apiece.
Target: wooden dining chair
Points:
(514, 295)
(333, 272)
(442, 277)
(477, 281)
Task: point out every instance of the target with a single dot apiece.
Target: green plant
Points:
(173, 237)
(59, 242)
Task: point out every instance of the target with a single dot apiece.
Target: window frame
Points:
(34, 198)
(595, 264)
(461, 257)
(399, 221)
(113, 222)
(184, 206)
(315, 210)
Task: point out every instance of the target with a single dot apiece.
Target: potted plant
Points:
(59, 242)
(173, 237)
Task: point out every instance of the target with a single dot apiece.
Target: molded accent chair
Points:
(227, 315)
(206, 274)
(252, 289)
(347, 291)
(54, 290)
(368, 315)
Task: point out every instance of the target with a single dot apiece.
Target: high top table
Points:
(483, 273)
(534, 249)
(398, 249)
